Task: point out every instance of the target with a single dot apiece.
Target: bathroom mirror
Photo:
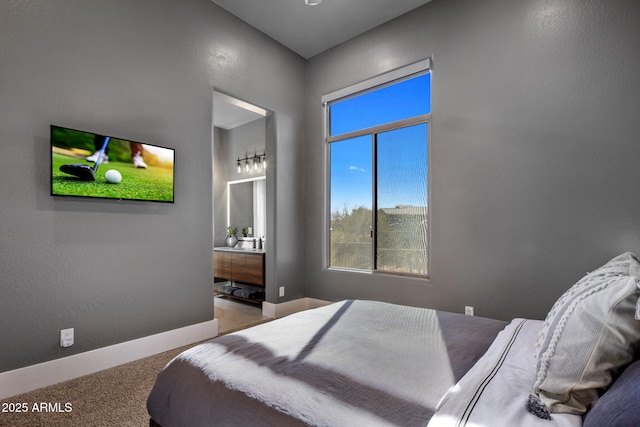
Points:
(247, 205)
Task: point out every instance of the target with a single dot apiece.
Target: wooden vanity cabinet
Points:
(239, 267)
(248, 268)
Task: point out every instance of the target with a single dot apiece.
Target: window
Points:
(378, 177)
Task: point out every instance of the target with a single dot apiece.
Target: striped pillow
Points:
(591, 332)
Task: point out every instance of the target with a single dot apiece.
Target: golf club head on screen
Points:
(86, 172)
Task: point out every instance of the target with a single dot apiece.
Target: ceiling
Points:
(310, 30)
(307, 30)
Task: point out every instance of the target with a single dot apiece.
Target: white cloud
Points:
(356, 168)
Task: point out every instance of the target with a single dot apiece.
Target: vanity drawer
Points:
(222, 265)
(248, 268)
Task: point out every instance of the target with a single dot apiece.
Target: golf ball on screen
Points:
(113, 176)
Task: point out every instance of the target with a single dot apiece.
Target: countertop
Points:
(244, 250)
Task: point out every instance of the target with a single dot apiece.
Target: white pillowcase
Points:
(591, 332)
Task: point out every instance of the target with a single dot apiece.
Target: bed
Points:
(369, 363)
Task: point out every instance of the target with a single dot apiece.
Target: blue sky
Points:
(402, 154)
(351, 173)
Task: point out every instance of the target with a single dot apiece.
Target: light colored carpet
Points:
(113, 397)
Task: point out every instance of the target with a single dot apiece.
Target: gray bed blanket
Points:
(349, 363)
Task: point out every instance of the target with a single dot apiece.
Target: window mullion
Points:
(374, 201)
(381, 128)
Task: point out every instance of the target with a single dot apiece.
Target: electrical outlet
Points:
(468, 310)
(66, 337)
(281, 291)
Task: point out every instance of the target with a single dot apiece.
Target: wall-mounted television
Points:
(86, 164)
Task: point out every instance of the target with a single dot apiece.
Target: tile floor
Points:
(234, 314)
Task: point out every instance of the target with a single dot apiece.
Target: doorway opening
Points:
(241, 154)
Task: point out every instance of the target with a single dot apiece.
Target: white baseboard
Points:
(44, 374)
(286, 308)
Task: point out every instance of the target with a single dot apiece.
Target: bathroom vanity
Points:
(240, 266)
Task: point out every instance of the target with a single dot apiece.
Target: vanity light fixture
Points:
(256, 160)
(312, 2)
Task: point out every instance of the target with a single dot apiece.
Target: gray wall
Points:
(143, 70)
(534, 149)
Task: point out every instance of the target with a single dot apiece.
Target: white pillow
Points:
(591, 332)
